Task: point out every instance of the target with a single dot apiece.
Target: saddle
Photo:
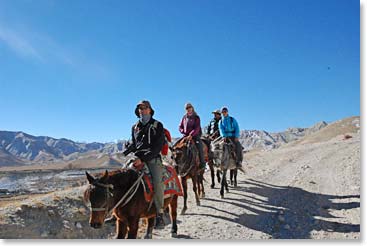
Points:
(170, 180)
(206, 147)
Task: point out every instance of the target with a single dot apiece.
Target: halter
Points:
(110, 194)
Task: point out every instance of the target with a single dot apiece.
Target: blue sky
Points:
(76, 69)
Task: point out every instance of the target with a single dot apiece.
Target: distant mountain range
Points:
(255, 139)
(19, 148)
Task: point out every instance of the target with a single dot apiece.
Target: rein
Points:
(127, 197)
(136, 186)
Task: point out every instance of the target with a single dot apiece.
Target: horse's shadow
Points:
(286, 212)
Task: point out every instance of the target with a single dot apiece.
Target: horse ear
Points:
(105, 176)
(89, 177)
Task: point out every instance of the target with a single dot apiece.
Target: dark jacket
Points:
(213, 126)
(190, 124)
(147, 140)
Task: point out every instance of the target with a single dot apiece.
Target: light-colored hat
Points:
(217, 111)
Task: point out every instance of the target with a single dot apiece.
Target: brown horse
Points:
(186, 157)
(108, 193)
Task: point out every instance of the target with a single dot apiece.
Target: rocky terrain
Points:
(305, 189)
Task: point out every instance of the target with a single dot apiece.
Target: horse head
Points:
(100, 195)
(182, 153)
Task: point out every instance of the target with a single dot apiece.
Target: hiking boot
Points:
(159, 222)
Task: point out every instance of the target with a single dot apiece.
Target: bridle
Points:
(109, 194)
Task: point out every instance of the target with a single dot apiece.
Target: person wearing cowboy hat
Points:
(213, 130)
(147, 142)
(190, 127)
(229, 129)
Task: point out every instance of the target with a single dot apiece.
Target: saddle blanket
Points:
(170, 180)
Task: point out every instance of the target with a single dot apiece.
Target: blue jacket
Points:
(228, 127)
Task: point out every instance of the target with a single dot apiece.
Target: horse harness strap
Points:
(136, 186)
(108, 193)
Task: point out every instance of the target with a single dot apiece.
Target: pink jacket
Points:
(190, 125)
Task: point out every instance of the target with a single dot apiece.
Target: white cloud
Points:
(29, 44)
(19, 44)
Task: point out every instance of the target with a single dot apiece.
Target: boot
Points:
(159, 222)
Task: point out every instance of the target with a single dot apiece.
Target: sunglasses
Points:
(143, 108)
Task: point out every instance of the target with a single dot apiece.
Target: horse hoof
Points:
(148, 236)
(222, 196)
(183, 211)
(227, 191)
(203, 195)
(198, 203)
(174, 234)
(212, 186)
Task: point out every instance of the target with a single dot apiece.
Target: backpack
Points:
(167, 139)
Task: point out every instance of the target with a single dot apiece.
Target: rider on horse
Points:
(213, 129)
(229, 129)
(147, 142)
(190, 127)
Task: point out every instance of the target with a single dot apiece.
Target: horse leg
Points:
(231, 176)
(149, 232)
(198, 184)
(133, 227)
(212, 175)
(223, 183)
(121, 229)
(194, 188)
(184, 187)
(173, 212)
(218, 176)
(226, 185)
(201, 185)
(235, 177)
